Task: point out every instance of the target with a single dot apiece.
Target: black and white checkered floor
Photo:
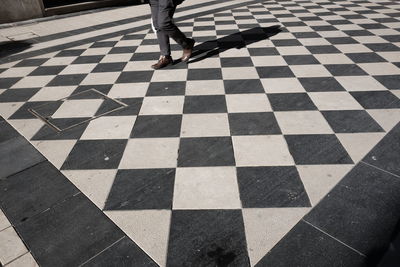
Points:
(225, 154)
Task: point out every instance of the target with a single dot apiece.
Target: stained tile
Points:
(162, 105)
(219, 235)
(202, 125)
(166, 88)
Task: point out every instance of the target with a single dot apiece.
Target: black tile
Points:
(385, 155)
(306, 35)
(6, 83)
(157, 126)
(317, 149)
(134, 37)
(166, 88)
(133, 108)
(291, 101)
(95, 154)
(321, 84)
(69, 234)
(287, 42)
(323, 49)
(124, 253)
(392, 38)
(358, 33)
(361, 211)
(236, 62)
(301, 60)
(134, 76)
(66, 80)
(110, 67)
(257, 123)
(33, 190)
(351, 121)
(205, 104)
(324, 28)
(49, 107)
(275, 72)
(389, 81)
(141, 189)
(104, 44)
(32, 62)
(345, 70)
(264, 51)
(376, 99)
(102, 88)
(383, 47)
(17, 154)
(48, 133)
(87, 59)
(365, 57)
(47, 70)
(309, 247)
(145, 56)
(341, 40)
(207, 238)
(204, 74)
(373, 26)
(206, 151)
(123, 50)
(18, 95)
(70, 53)
(271, 187)
(243, 86)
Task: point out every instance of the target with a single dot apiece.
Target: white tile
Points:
(265, 227)
(310, 71)
(150, 153)
(270, 150)
(17, 72)
(282, 85)
(109, 127)
(11, 246)
(293, 50)
(117, 58)
(95, 184)
(234, 52)
(333, 59)
(313, 41)
(169, 75)
(387, 118)
(262, 61)
(59, 61)
(78, 108)
(100, 78)
(128, 90)
(205, 87)
(78, 69)
(4, 223)
(162, 105)
(202, 125)
(302, 122)
(205, 63)
(7, 109)
(206, 188)
(149, 229)
(353, 48)
(239, 73)
(247, 103)
(56, 151)
(27, 127)
(380, 68)
(318, 180)
(25, 261)
(334, 101)
(360, 83)
(359, 144)
(33, 81)
(53, 93)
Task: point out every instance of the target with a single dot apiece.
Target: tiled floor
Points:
(213, 162)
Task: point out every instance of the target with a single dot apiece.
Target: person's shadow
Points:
(13, 47)
(236, 40)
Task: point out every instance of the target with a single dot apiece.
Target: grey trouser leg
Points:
(162, 12)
